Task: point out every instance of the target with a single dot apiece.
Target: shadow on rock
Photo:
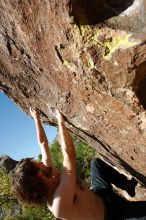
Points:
(139, 84)
(96, 11)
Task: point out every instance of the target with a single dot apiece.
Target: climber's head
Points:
(28, 182)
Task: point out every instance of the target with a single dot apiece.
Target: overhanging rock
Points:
(59, 54)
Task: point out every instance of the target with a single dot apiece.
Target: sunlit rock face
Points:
(89, 65)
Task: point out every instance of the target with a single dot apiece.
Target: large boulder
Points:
(89, 65)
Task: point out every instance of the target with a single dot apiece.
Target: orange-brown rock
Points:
(89, 61)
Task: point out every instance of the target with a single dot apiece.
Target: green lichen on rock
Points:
(66, 63)
(95, 35)
(91, 64)
(114, 42)
(83, 30)
(108, 39)
(117, 42)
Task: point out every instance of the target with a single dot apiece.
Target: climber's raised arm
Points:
(42, 139)
(65, 192)
(66, 142)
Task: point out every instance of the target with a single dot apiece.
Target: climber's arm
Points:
(64, 194)
(42, 139)
(66, 142)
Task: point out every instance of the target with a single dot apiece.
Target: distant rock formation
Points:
(7, 164)
(89, 65)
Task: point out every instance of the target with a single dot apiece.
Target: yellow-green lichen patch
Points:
(91, 64)
(94, 37)
(107, 38)
(70, 65)
(117, 42)
(66, 63)
(112, 41)
(84, 31)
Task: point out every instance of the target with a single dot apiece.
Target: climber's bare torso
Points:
(86, 205)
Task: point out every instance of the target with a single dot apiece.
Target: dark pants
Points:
(116, 207)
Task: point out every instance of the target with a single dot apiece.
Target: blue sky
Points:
(17, 131)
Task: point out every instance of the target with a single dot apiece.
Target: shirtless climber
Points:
(38, 182)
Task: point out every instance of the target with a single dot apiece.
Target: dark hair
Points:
(26, 184)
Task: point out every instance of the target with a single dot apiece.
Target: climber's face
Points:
(46, 171)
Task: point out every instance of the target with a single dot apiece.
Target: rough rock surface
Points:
(92, 68)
